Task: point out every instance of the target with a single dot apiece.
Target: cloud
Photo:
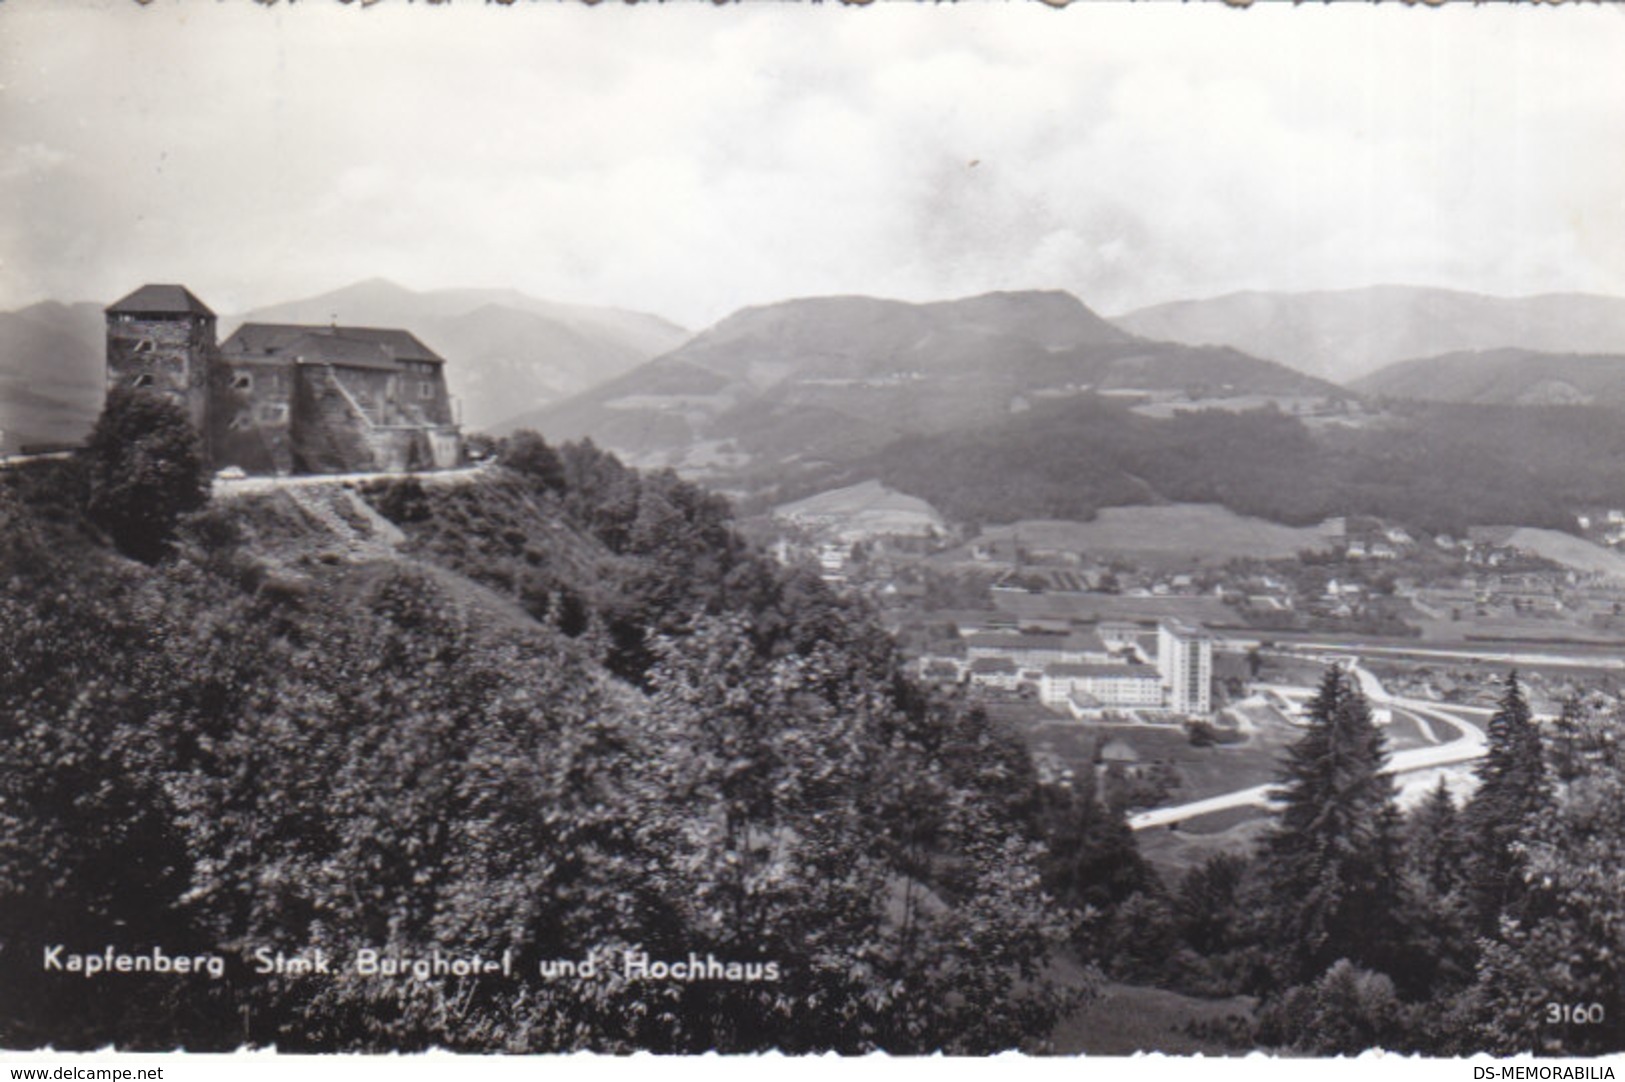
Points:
(690, 160)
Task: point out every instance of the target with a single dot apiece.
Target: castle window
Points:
(144, 346)
(242, 381)
(241, 421)
(143, 380)
(426, 390)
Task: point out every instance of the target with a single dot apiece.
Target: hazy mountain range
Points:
(832, 378)
(52, 359)
(1342, 335)
(505, 351)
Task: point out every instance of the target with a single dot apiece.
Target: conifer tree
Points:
(1511, 789)
(1326, 861)
(1441, 950)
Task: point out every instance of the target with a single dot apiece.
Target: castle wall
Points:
(251, 415)
(329, 435)
(166, 354)
(335, 401)
(423, 397)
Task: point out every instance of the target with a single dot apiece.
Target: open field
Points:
(1221, 821)
(1203, 772)
(1094, 607)
(1173, 851)
(869, 509)
(1186, 532)
(1124, 1019)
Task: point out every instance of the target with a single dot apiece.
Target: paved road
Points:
(246, 485)
(1467, 746)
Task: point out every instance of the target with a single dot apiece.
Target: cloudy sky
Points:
(688, 159)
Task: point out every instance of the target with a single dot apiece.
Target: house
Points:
(994, 672)
(286, 398)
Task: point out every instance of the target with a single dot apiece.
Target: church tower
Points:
(162, 338)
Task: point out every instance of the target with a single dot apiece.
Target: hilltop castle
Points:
(284, 398)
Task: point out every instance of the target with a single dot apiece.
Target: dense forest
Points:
(1436, 467)
(561, 710)
(571, 714)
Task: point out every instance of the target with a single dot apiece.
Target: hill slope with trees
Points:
(558, 712)
(1439, 467)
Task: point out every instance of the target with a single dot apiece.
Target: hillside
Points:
(1342, 335)
(505, 351)
(1504, 377)
(830, 379)
(1439, 467)
(51, 359)
(499, 719)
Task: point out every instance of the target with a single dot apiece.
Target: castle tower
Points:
(162, 338)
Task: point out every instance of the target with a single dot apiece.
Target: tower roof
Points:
(166, 300)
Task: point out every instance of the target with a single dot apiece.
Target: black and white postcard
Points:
(1078, 530)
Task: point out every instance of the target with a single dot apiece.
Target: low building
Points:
(1038, 651)
(1109, 685)
(994, 672)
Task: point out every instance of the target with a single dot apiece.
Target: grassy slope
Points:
(1125, 1019)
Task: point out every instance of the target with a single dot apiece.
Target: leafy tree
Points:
(529, 454)
(1345, 1012)
(1554, 979)
(146, 470)
(1331, 846)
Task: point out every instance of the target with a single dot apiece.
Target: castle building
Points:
(1185, 661)
(285, 398)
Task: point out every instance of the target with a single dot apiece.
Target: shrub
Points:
(146, 470)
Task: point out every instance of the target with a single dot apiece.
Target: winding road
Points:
(1468, 745)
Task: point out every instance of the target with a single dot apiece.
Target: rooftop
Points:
(356, 347)
(1132, 671)
(162, 300)
(1081, 642)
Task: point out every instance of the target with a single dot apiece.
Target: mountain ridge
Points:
(809, 378)
(1345, 334)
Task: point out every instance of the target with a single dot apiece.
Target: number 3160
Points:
(1579, 1014)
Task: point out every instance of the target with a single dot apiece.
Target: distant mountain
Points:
(51, 358)
(505, 351)
(832, 378)
(1345, 334)
(1505, 377)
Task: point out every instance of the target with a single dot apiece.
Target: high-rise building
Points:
(1185, 661)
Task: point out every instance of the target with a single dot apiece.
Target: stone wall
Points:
(329, 435)
(166, 354)
(251, 415)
